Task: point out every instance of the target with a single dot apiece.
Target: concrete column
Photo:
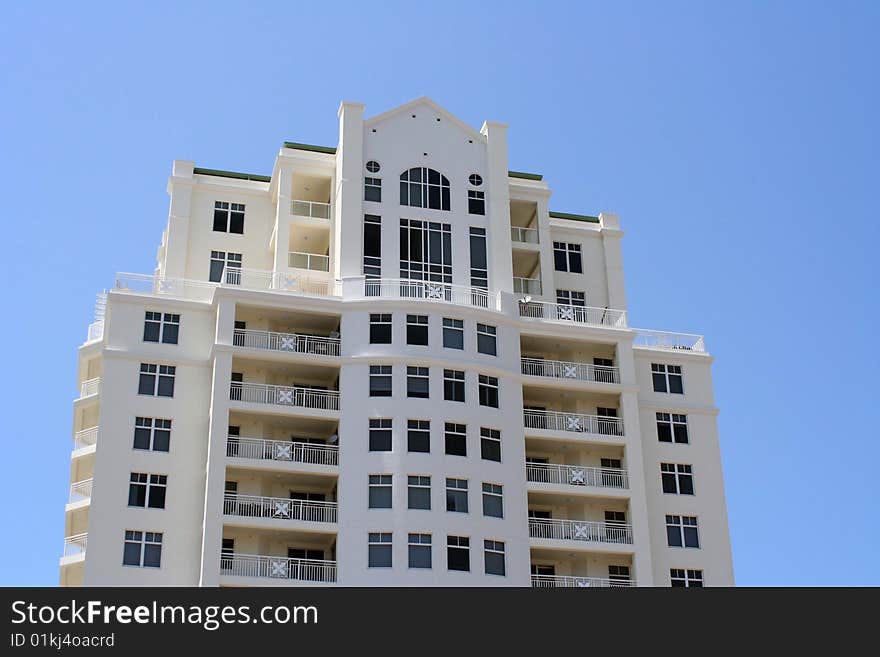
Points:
(548, 292)
(611, 237)
(282, 219)
(347, 237)
(638, 507)
(177, 233)
(498, 207)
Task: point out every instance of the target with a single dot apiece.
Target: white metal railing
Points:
(576, 475)
(75, 545)
(461, 295)
(313, 261)
(669, 341)
(527, 235)
(90, 387)
(562, 369)
(165, 286)
(580, 530)
(280, 508)
(578, 314)
(576, 422)
(96, 331)
(80, 490)
(85, 438)
(526, 285)
(576, 581)
(281, 450)
(256, 565)
(314, 209)
(262, 393)
(295, 342)
(256, 279)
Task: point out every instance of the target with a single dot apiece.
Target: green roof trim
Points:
(527, 176)
(310, 147)
(232, 174)
(575, 217)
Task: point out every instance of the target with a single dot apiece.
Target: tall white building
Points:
(389, 363)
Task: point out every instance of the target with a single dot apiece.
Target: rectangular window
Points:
(419, 492)
(372, 246)
(380, 434)
(476, 202)
(380, 380)
(380, 328)
(567, 257)
(227, 550)
(419, 547)
(456, 439)
(686, 578)
(417, 382)
(152, 434)
(380, 491)
(458, 553)
(151, 384)
(147, 490)
(486, 340)
(425, 254)
(490, 444)
(493, 502)
(493, 557)
(373, 189)
(453, 333)
(479, 261)
(681, 531)
(456, 495)
(488, 391)
(228, 217)
(161, 327)
(672, 428)
(677, 478)
(570, 304)
(142, 549)
(453, 385)
(667, 378)
(228, 262)
(379, 550)
(618, 574)
(418, 436)
(417, 329)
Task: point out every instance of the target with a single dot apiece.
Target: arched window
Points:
(421, 187)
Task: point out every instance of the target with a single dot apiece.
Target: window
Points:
(681, 531)
(418, 436)
(380, 380)
(493, 504)
(453, 385)
(486, 340)
(151, 384)
(372, 247)
(475, 179)
(380, 328)
(380, 435)
(417, 329)
(373, 166)
(147, 490)
(231, 262)
(152, 434)
(667, 378)
(456, 495)
(476, 202)
(612, 474)
(419, 546)
(453, 333)
(682, 578)
(493, 557)
(417, 382)
(618, 574)
(456, 439)
(603, 370)
(421, 187)
(228, 217)
(379, 550)
(425, 253)
(607, 421)
(490, 444)
(227, 550)
(488, 391)
(672, 428)
(567, 257)
(373, 189)
(458, 553)
(380, 491)
(570, 304)
(161, 327)
(479, 261)
(419, 492)
(677, 478)
(142, 549)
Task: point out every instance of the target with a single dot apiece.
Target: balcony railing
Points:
(90, 387)
(281, 450)
(526, 235)
(576, 475)
(526, 285)
(80, 491)
(461, 295)
(254, 565)
(669, 341)
(575, 581)
(96, 331)
(262, 393)
(75, 545)
(561, 369)
(313, 261)
(313, 209)
(580, 530)
(85, 438)
(558, 312)
(279, 508)
(295, 342)
(575, 422)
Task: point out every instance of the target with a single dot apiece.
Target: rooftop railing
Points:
(669, 341)
(262, 393)
(580, 530)
(257, 565)
(281, 450)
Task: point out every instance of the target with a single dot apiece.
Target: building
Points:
(389, 363)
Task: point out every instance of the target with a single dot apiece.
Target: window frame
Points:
(229, 222)
(423, 429)
(381, 373)
(143, 540)
(489, 334)
(453, 326)
(380, 484)
(415, 374)
(488, 436)
(417, 330)
(485, 383)
(458, 433)
(494, 548)
(377, 429)
(379, 324)
(377, 541)
(457, 495)
(421, 484)
(416, 541)
(151, 427)
(493, 493)
(454, 385)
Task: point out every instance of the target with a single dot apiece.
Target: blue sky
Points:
(738, 141)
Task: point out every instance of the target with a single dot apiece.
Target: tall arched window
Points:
(421, 187)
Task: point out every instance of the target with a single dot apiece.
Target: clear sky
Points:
(737, 140)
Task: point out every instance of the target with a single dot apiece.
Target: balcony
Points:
(85, 438)
(311, 209)
(666, 341)
(561, 369)
(572, 422)
(576, 475)
(580, 530)
(522, 235)
(433, 291)
(575, 581)
(90, 388)
(279, 568)
(282, 451)
(311, 261)
(527, 285)
(74, 548)
(289, 342)
(586, 315)
(263, 393)
(81, 491)
(279, 508)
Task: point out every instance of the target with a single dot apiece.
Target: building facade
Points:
(389, 363)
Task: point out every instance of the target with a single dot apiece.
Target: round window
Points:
(475, 179)
(372, 166)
